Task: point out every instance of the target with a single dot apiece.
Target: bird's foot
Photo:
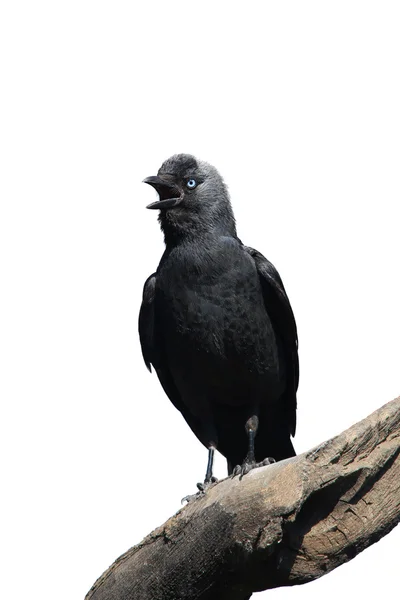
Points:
(202, 487)
(247, 466)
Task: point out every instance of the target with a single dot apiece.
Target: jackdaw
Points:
(217, 325)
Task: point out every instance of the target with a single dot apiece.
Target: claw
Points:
(191, 497)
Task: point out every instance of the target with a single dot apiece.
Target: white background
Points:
(297, 104)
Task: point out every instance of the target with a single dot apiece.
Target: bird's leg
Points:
(209, 479)
(209, 476)
(249, 462)
(250, 457)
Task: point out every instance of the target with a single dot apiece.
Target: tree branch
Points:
(284, 524)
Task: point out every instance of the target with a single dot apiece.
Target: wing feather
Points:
(152, 349)
(278, 307)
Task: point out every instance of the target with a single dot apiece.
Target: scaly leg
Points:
(209, 479)
(249, 462)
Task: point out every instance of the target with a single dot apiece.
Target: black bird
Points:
(217, 325)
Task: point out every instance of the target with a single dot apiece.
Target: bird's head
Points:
(193, 198)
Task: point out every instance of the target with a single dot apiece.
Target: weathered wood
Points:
(284, 524)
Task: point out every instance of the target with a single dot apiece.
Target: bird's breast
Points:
(210, 309)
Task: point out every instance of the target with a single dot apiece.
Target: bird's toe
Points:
(267, 461)
(248, 466)
(236, 470)
(243, 469)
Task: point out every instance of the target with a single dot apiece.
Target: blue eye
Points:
(191, 184)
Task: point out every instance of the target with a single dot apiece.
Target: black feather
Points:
(217, 325)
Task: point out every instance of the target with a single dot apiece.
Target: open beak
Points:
(170, 195)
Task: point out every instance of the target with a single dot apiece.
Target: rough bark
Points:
(284, 524)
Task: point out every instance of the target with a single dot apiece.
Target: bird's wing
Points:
(146, 322)
(280, 312)
(152, 347)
